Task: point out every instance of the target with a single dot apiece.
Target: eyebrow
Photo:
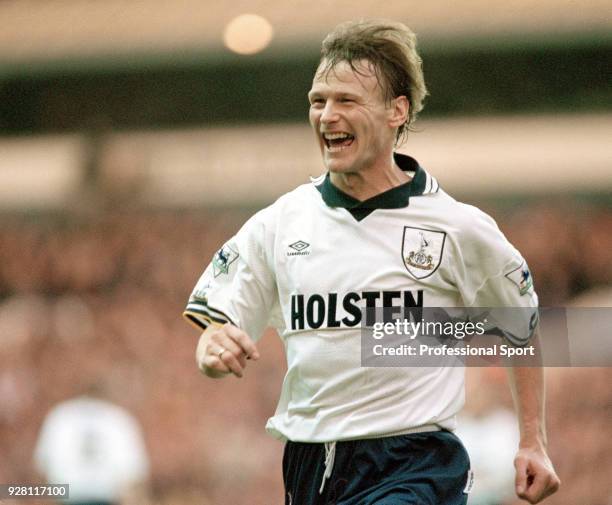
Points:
(342, 94)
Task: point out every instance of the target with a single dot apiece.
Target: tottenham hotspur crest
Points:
(422, 250)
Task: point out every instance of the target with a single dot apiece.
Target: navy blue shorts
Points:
(416, 469)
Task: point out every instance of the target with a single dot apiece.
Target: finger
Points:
(237, 352)
(212, 362)
(245, 342)
(543, 486)
(231, 361)
(229, 353)
(241, 359)
(216, 350)
(520, 480)
(535, 492)
(222, 340)
(553, 486)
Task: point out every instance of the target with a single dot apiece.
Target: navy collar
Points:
(394, 198)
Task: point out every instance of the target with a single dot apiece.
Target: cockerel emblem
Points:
(422, 250)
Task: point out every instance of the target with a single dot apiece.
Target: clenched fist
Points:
(535, 476)
(224, 350)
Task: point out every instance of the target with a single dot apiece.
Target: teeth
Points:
(335, 136)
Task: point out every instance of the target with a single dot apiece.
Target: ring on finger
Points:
(221, 351)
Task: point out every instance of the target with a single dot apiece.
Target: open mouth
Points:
(337, 141)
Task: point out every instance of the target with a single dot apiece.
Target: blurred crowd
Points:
(99, 297)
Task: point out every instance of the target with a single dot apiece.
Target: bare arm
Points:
(535, 476)
(223, 350)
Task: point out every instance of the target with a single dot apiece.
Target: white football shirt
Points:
(308, 264)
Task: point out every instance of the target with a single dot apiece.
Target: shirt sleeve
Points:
(238, 286)
(495, 278)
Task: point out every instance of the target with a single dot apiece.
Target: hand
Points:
(535, 476)
(223, 350)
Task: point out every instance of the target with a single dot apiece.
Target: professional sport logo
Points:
(422, 250)
(223, 259)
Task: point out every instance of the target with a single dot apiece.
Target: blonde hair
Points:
(391, 48)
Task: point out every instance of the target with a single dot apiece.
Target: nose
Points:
(329, 114)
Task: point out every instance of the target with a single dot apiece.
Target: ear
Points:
(398, 111)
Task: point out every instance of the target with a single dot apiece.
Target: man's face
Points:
(350, 118)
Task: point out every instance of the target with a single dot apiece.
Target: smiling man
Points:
(356, 125)
(374, 231)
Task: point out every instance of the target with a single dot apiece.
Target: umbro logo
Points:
(299, 248)
(300, 245)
